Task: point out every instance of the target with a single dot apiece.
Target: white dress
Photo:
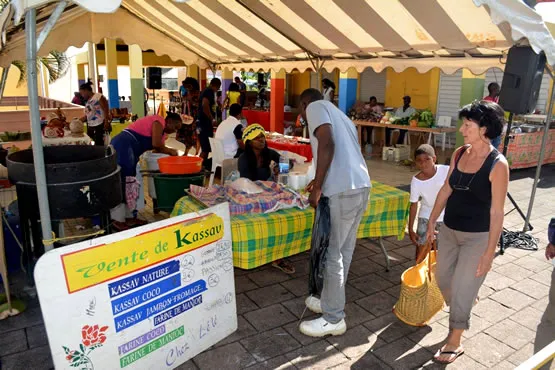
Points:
(327, 94)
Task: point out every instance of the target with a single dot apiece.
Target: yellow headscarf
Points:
(252, 132)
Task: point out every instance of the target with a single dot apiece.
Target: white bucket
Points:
(151, 160)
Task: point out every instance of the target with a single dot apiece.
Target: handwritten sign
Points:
(147, 298)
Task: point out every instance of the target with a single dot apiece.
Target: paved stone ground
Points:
(270, 305)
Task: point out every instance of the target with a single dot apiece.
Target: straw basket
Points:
(420, 298)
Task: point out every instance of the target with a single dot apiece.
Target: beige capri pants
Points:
(457, 262)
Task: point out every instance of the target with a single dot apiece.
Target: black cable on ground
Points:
(520, 240)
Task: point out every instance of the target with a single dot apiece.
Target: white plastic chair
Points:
(443, 121)
(218, 156)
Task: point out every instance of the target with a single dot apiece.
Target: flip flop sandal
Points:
(284, 266)
(457, 355)
(120, 226)
(17, 308)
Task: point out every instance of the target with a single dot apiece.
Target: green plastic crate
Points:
(170, 188)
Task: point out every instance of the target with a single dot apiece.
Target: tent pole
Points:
(92, 65)
(542, 155)
(36, 134)
(50, 23)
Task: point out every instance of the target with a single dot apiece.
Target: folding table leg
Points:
(384, 251)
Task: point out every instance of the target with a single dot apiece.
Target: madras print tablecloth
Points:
(524, 149)
(263, 238)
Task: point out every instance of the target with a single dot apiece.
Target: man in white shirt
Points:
(405, 111)
(341, 176)
(230, 132)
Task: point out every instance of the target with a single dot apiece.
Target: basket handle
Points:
(433, 247)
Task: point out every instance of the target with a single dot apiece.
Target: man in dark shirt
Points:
(207, 116)
(242, 90)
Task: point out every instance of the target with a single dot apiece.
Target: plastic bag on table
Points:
(319, 247)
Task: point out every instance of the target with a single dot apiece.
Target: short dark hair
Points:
(233, 87)
(237, 78)
(235, 110)
(425, 149)
(86, 86)
(486, 114)
(328, 82)
(176, 118)
(373, 98)
(311, 95)
(492, 85)
(215, 82)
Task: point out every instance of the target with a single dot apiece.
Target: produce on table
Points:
(426, 119)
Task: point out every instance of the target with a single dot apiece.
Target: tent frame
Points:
(549, 70)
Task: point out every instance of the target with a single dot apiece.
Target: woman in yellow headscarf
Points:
(254, 163)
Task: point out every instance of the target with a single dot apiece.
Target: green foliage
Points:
(56, 63)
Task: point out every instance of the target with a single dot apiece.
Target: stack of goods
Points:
(424, 118)
(56, 125)
(77, 127)
(245, 196)
(363, 111)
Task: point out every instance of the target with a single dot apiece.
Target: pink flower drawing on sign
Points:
(93, 337)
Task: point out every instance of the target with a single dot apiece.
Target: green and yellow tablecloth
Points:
(119, 127)
(259, 239)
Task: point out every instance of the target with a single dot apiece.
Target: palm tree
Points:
(56, 63)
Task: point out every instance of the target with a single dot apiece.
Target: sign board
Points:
(147, 298)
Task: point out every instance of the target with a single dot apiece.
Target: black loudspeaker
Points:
(154, 78)
(522, 80)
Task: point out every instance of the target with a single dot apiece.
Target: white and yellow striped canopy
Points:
(289, 34)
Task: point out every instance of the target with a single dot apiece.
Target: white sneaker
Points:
(320, 328)
(313, 304)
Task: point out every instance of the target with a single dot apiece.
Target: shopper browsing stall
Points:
(230, 132)
(424, 187)
(207, 116)
(473, 198)
(342, 176)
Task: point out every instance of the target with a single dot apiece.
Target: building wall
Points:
(421, 87)
(449, 95)
(372, 84)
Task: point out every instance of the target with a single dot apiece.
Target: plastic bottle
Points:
(283, 169)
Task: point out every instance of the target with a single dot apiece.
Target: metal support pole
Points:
(3, 80)
(92, 66)
(34, 115)
(542, 155)
(51, 22)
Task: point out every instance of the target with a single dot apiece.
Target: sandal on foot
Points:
(284, 266)
(457, 354)
(120, 226)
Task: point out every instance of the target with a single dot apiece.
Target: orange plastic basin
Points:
(180, 165)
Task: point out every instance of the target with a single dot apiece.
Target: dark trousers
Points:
(96, 133)
(400, 140)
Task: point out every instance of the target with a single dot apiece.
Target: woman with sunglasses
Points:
(473, 197)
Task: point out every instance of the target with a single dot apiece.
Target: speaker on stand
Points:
(519, 95)
(154, 81)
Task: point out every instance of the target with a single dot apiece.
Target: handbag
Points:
(420, 298)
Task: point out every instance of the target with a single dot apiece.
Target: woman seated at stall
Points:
(255, 164)
(147, 133)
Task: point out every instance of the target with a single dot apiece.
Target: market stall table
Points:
(67, 140)
(262, 117)
(259, 239)
(524, 149)
(425, 130)
(293, 146)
